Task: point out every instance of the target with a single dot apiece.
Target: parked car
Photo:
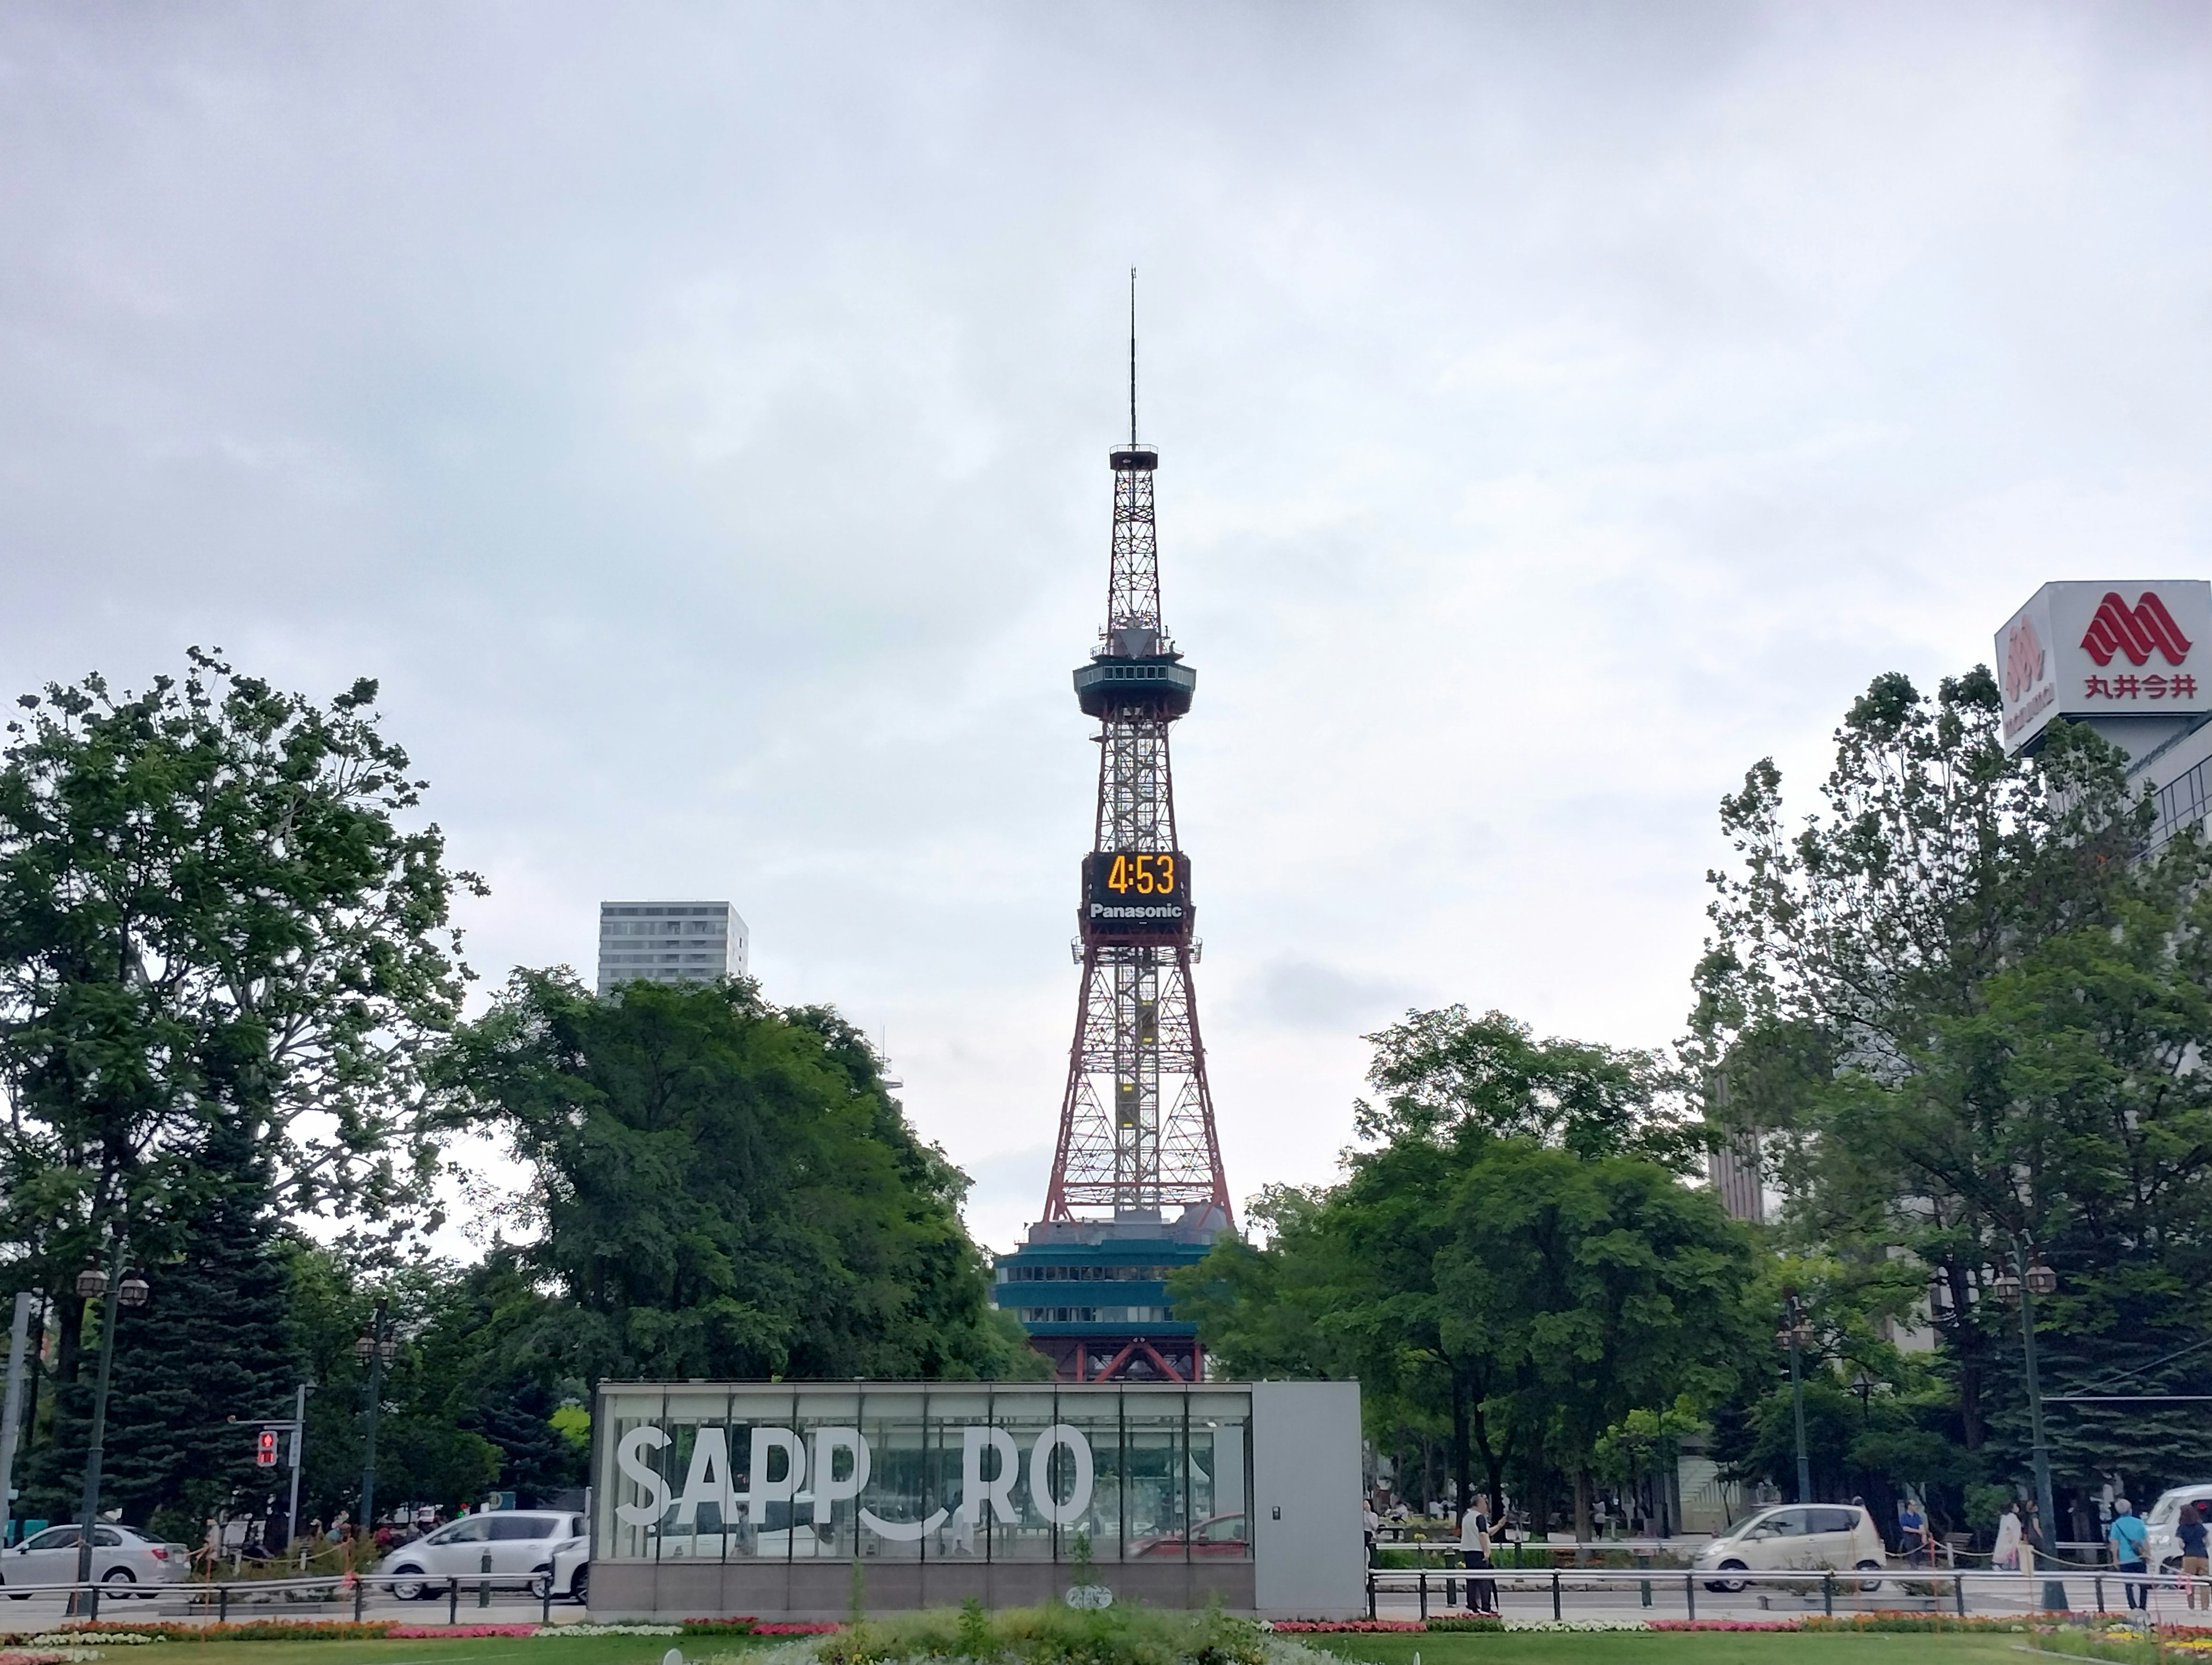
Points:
(1799, 1537)
(120, 1555)
(517, 1542)
(570, 1567)
(2161, 1540)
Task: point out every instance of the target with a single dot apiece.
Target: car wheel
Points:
(13, 1595)
(407, 1585)
(1869, 1586)
(1727, 1586)
(118, 1575)
(579, 1587)
(540, 1583)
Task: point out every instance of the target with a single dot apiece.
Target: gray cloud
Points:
(696, 417)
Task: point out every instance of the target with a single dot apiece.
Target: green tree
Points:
(1351, 1284)
(1596, 1286)
(724, 1189)
(207, 1358)
(1966, 1002)
(214, 934)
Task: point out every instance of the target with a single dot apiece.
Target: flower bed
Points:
(265, 1629)
(431, 1632)
(1886, 1619)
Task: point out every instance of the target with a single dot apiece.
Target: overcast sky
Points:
(697, 417)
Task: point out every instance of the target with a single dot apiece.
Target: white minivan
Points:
(1797, 1538)
(2162, 1521)
(518, 1544)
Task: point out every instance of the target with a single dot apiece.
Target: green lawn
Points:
(1680, 1648)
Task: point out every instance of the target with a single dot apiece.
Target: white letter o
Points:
(1078, 1499)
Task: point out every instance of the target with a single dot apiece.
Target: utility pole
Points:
(19, 1337)
(299, 1449)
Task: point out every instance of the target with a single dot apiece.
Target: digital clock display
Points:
(1136, 893)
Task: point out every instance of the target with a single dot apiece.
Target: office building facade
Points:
(670, 942)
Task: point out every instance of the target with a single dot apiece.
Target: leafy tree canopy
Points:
(724, 1189)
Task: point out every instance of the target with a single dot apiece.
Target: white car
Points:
(570, 1568)
(512, 1544)
(2161, 1536)
(121, 1555)
(1797, 1537)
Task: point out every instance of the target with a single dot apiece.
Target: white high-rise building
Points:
(670, 942)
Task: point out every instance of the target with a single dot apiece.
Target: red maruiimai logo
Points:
(2024, 661)
(2117, 628)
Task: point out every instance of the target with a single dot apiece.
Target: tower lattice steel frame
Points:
(1136, 1122)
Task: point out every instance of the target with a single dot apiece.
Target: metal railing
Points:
(1960, 1591)
(323, 1589)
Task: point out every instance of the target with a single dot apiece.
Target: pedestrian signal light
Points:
(264, 1449)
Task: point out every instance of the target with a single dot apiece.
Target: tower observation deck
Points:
(1137, 1186)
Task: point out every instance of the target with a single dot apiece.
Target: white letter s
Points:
(630, 1457)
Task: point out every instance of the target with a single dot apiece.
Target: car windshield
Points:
(2164, 1511)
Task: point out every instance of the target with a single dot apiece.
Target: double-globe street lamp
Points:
(374, 1347)
(2026, 1277)
(1796, 1335)
(109, 1285)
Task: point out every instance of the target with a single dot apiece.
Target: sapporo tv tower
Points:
(1136, 1188)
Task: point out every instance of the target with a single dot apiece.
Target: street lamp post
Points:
(1796, 1335)
(2032, 1278)
(93, 1282)
(1864, 1385)
(377, 1349)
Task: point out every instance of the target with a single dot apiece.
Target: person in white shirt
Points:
(1475, 1552)
(2005, 1557)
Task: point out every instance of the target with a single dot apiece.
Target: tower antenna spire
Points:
(1133, 357)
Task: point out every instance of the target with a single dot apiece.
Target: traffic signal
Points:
(264, 1449)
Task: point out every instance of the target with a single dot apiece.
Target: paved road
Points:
(1529, 1598)
(505, 1608)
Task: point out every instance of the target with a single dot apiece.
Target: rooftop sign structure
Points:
(2130, 649)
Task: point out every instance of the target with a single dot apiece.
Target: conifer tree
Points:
(200, 1366)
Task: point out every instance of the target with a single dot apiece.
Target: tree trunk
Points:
(1581, 1512)
(1493, 1468)
(1460, 1493)
(1966, 1343)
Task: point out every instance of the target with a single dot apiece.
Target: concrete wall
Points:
(803, 1590)
(1308, 1547)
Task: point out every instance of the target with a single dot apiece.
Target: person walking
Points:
(2194, 1567)
(1372, 1524)
(2127, 1536)
(2004, 1555)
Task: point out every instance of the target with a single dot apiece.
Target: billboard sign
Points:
(2129, 648)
